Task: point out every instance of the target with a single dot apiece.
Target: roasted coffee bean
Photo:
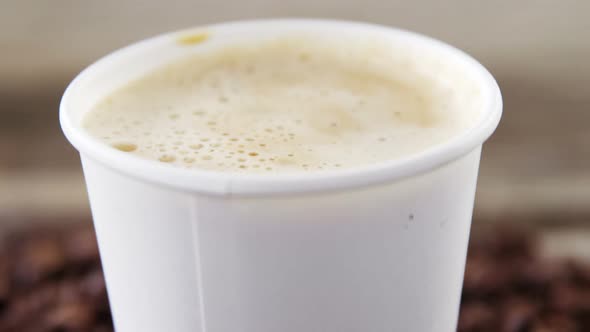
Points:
(4, 282)
(506, 242)
(93, 286)
(482, 276)
(23, 308)
(37, 259)
(518, 314)
(538, 275)
(570, 299)
(102, 328)
(555, 323)
(580, 273)
(69, 316)
(81, 246)
(477, 317)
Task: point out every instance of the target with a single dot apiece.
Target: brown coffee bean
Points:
(72, 316)
(102, 328)
(580, 273)
(25, 307)
(484, 276)
(477, 317)
(36, 259)
(555, 323)
(518, 315)
(81, 246)
(504, 242)
(69, 290)
(567, 298)
(93, 286)
(538, 275)
(5, 287)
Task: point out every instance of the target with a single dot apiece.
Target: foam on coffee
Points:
(291, 104)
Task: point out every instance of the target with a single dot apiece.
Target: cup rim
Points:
(243, 184)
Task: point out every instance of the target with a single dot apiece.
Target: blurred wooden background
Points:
(536, 167)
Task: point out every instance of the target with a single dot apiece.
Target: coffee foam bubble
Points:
(287, 105)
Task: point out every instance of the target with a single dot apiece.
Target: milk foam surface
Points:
(287, 105)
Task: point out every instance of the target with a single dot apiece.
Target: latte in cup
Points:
(291, 104)
(283, 175)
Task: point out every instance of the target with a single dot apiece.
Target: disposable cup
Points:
(378, 248)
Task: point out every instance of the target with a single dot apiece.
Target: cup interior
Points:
(122, 66)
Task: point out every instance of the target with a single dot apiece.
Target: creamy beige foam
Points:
(293, 104)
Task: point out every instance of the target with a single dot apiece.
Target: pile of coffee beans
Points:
(509, 287)
(51, 281)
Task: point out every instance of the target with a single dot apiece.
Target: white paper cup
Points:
(374, 249)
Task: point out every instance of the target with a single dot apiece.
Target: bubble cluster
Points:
(276, 108)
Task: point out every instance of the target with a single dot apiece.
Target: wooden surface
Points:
(536, 166)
